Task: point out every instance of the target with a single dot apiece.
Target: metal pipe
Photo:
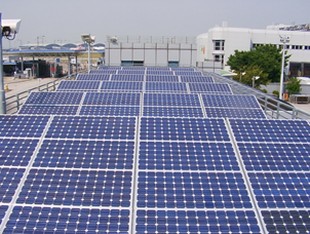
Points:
(2, 94)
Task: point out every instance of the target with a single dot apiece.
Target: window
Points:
(296, 47)
(218, 44)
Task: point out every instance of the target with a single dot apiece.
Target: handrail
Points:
(14, 102)
(273, 107)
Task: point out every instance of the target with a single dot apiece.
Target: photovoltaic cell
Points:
(115, 99)
(85, 154)
(16, 152)
(275, 156)
(187, 156)
(110, 110)
(3, 209)
(22, 125)
(255, 130)
(287, 221)
(122, 86)
(9, 180)
(216, 88)
(240, 101)
(78, 188)
(131, 72)
(192, 190)
(78, 85)
(27, 219)
(161, 73)
(48, 110)
(187, 73)
(183, 129)
(172, 112)
(162, 78)
(165, 99)
(92, 127)
(192, 221)
(235, 113)
(58, 98)
(281, 190)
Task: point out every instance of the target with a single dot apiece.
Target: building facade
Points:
(221, 42)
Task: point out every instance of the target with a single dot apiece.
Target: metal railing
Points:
(273, 107)
(14, 102)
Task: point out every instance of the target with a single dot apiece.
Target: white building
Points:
(221, 42)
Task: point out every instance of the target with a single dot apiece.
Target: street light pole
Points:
(284, 40)
(89, 67)
(87, 38)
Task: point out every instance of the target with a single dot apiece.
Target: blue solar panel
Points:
(78, 85)
(188, 69)
(122, 86)
(3, 209)
(281, 190)
(78, 188)
(183, 129)
(27, 219)
(166, 87)
(270, 130)
(94, 76)
(195, 79)
(16, 152)
(48, 110)
(187, 73)
(162, 78)
(240, 101)
(164, 99)
(92, 127)
(287, 221)
(131, 72)
(235, 113)
(207, 190)
(50, 98)
(275, 156)
(110, 110)
(172, 111)
(216, 88)
(119, 99)
(9, 180)
(160, 72)
(127, 77)
(158, 68)
(103, 71)
(85, 154)
(22, 126)
(187, 156)
(193, 221)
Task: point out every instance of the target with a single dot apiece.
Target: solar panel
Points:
(166, 87)
(131, 72)
(118, 99)
(160, 72)
(172, 111)
(165, 99)
(26, 219)
(94, 76)
(68, 98)
(235, 113)
(162, 78)
(183, 129)
(187, 73)
(92, 127)
(85, 154)
(127, 77)
(215, 88)
(259, 130)
(195, 79)
(48, 110)
(110, 110)
(122, 86)
(240, 101)
(9, 180)
(78, 85)
(22, 126)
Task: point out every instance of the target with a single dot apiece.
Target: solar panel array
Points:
(166, 154)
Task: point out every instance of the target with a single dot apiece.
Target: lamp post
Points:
(284, 40)
(253, 80)
(2, 94)
(87, 38)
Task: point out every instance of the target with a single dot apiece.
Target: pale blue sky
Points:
(66, 20)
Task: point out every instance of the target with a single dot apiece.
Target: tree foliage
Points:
(293, 86)
(265, 58)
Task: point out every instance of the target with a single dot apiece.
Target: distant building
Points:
(220, 42)
(151, 51)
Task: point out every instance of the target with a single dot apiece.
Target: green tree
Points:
(293, 86)
(265, 57)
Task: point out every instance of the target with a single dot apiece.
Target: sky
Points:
(64, 21)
